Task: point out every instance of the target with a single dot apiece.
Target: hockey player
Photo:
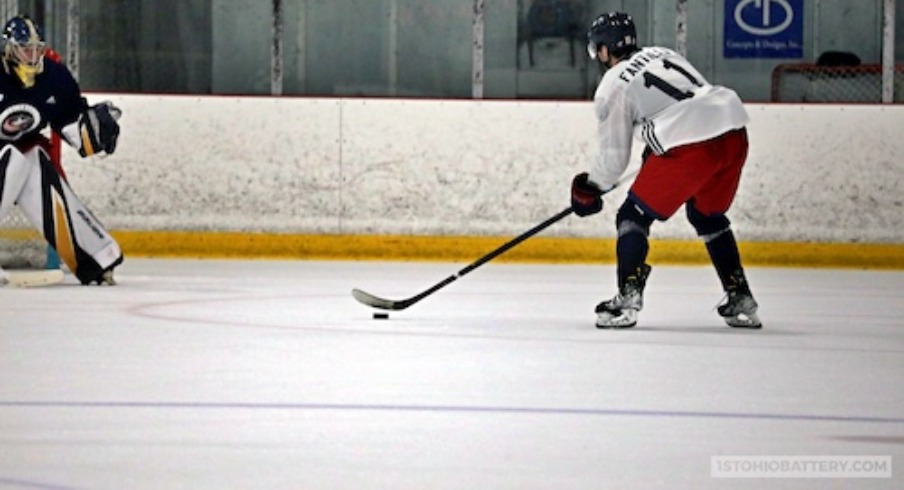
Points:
(35, 93)
(696, 146)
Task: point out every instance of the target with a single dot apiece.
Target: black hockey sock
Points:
(723, 251)
(631, 249)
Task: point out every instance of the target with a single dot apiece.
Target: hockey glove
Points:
(98, 129)
(586, 197)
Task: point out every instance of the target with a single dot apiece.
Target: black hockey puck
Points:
(381, 316)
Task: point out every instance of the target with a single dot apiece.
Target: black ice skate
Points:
(105, 278)
(739, 309)
(621, 311)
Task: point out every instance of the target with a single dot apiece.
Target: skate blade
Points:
(750, 321)
(624, 319)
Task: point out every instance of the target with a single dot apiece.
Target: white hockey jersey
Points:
(662, 94)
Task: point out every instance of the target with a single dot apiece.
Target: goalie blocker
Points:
(30, 180)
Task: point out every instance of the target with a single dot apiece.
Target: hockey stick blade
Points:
(380, 303)
(396, 305)
(31, 279)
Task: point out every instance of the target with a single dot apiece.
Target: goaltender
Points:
(37, 92)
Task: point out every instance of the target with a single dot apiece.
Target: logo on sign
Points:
(764, 28)
(765, 22)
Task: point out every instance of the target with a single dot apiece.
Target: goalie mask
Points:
(23, 49)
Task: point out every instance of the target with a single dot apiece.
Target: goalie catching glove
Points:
(96, 130)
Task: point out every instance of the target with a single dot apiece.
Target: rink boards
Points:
(432, 179)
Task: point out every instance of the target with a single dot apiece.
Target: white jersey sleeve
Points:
(661, 93)
(615, 128)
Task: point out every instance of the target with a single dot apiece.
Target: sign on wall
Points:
(764, 29)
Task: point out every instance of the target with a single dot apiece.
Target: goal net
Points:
(809, 82)
(21, 245)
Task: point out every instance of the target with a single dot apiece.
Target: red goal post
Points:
(809, 82)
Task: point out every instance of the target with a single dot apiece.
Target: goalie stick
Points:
(396, 305)
(30, 279)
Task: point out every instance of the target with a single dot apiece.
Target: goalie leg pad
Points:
(81, 241)
(13, 175)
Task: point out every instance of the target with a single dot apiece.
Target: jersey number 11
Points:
(651, 80)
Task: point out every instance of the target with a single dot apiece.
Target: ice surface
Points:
(259, 374)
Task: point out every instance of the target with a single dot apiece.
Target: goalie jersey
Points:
(55, 100)
(658, 92)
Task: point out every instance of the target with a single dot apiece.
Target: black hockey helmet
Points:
(23, 48)
(615, 30)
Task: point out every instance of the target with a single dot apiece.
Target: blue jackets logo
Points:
(18, 120)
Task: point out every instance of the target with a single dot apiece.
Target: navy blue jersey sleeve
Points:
(69, 103)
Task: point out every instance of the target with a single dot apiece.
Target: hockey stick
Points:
(388, 304)
(395, 305)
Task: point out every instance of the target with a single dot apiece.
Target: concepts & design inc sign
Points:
(764, 29)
